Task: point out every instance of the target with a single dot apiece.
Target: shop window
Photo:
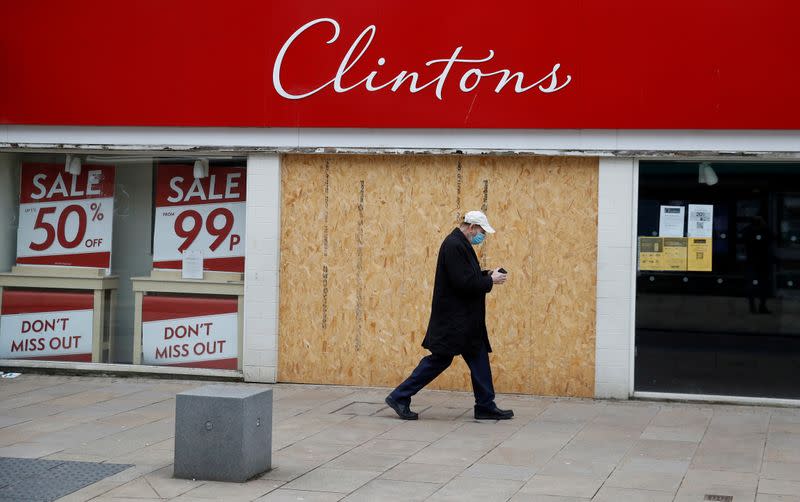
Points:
(122, 259)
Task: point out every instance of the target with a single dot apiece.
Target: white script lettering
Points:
(470, 79)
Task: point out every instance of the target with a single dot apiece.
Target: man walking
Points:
(458, 321)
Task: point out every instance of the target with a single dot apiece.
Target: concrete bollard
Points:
(223, 432)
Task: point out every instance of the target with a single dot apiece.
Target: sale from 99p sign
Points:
(200, 214)
(65, 219)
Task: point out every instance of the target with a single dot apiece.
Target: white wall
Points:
(615, 277)
(260, 351)
(623, 143)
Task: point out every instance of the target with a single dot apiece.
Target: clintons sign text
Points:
(473, 72)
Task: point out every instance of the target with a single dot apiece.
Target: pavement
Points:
(342, 443)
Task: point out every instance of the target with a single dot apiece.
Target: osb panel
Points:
(359, 239)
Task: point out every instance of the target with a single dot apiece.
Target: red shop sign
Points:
(685, 64)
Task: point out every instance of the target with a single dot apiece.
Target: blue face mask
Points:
(477, 239)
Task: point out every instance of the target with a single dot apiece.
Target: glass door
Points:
(729, 325)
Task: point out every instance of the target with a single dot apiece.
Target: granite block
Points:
(223, 432)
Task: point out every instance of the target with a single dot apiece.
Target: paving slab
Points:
(460, 457)
(284, 495)
(29, 450)
(166, 486)
(520, 455)
(499, 471)
(387, 490)
(286, 468)
(675, 433)
(332, 480)
(479, 490)
(423, 473)
(779, 487)
(138, 488)
(697, 482)
(565, 486)
(361, 461)
(634, 414)
(6, 420)
(581, 467)
(765, 497)
(540, 426)
(231, 491)
(341, 443)
(355, 430)
(780, 470)
(421, 430)
(572, 411)
(380, 446)
(616, 494)
(534, 497)
(649, 474)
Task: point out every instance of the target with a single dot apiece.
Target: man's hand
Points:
(498, 277)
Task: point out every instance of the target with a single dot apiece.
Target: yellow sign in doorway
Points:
(699, 254)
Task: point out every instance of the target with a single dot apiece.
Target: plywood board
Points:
(359, 240)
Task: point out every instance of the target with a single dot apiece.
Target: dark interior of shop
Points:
(734, 330)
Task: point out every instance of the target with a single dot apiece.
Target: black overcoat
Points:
(458, 309)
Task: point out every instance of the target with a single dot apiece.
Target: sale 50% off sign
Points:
(200, 214)
(65, 219)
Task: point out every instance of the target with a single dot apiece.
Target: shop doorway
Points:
(730, 326)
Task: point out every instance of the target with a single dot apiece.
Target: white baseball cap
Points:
(478, 218)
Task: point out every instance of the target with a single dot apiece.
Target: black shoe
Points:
(492, 414)
(402, 410)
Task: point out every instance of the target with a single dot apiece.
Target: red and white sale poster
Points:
(65, 219)
(200, 214)
(192, 331)
(49, 325)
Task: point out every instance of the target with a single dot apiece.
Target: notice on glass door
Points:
(701, 220)
(651, 252)
(674, 254)
(670, 223)
(699, 255)
(663, 254)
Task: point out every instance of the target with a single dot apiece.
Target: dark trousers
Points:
(433, 365)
